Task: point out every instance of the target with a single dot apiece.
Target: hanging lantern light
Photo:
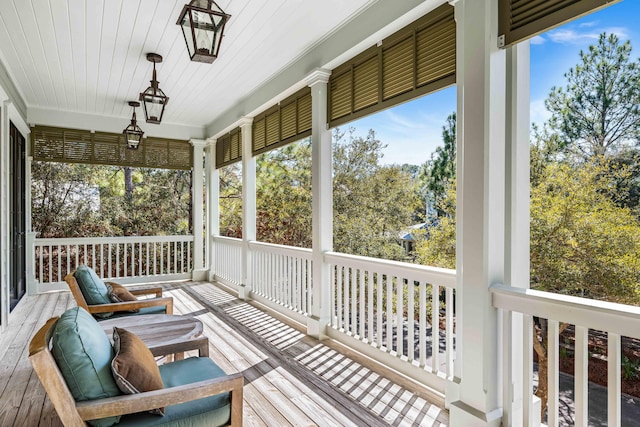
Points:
(153, 98)
(202, 23)
(133, 133)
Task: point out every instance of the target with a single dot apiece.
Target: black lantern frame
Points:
(202, 23)
(153, 98)
(132, 133)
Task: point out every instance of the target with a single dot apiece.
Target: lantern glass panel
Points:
(205, 31)
(154, 101)
(133, 135)
(186, 31)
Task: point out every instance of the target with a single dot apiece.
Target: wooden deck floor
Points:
(290, 378)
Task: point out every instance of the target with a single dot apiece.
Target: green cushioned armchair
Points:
(91, 293)
(196, 391)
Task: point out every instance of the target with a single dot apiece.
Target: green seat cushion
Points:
(83, 353)
(93, 289)
(206, 412)
(158, 309)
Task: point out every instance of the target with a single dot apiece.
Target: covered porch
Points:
(291, 379)
(356, 341)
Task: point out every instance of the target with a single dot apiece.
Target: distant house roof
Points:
(407, 234)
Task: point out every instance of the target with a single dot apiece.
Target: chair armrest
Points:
(133, 305)
(156, 290)
(201, 344)
(131, 403)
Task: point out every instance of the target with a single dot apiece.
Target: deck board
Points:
(290, 379)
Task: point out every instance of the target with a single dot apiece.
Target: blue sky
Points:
(413, 130)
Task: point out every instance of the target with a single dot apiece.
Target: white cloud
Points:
(537, 40)
(621, 32)
(570, 36)
(574, 36)
(538, 113)
(588, 24)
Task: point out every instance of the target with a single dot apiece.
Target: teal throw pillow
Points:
(84, 353)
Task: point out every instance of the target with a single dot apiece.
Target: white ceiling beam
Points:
(101, 123)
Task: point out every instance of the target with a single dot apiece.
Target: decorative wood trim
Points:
(414, 61)
(51, 144)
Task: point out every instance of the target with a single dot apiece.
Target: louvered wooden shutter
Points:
(51, 144)
(522, 19)
(419, 59)
(283, 123)
(229, 148)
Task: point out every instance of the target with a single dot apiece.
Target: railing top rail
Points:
(282, 249)
(440, 276)
(122, 239)
(230, 240)
(600, 315)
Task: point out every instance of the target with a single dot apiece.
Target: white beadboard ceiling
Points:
(88, 56)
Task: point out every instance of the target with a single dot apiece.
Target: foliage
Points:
(284, 195)
(440, 170)
(598, 112)
(582, 243)
(65, 201)
(439, 247)
(629, 368)
(372, 202)
(76, 200)
(231, 200)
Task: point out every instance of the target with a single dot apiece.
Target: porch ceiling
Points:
(89, 57)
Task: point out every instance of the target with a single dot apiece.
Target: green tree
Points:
(77, 200)
(65, 200)
(231, 200)
(598, 111)
(372, 202)
(440, 170)
(284, 195)
(438, 248)
(582, 242)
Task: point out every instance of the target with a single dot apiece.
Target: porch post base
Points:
(317, 327)
(452, 393)
(244, 292)
(199, 274)
(461, 414)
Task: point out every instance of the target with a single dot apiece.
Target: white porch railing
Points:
(282, 275)
(616, 320)
(398, 313)
(127, 259)
(227, 260)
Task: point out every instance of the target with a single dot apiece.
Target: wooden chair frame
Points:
(121, 306)
(74, 414)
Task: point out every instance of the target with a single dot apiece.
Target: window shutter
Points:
(522, 19)
(365, 82)
(51, 144)
(283, 123)
(418, 59)
(229, 148)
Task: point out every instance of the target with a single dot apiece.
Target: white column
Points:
(212, 183)
(249, 212)
(322, 203)
(480, 212)
(197, 200)
(30, 236)
(518, 361)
